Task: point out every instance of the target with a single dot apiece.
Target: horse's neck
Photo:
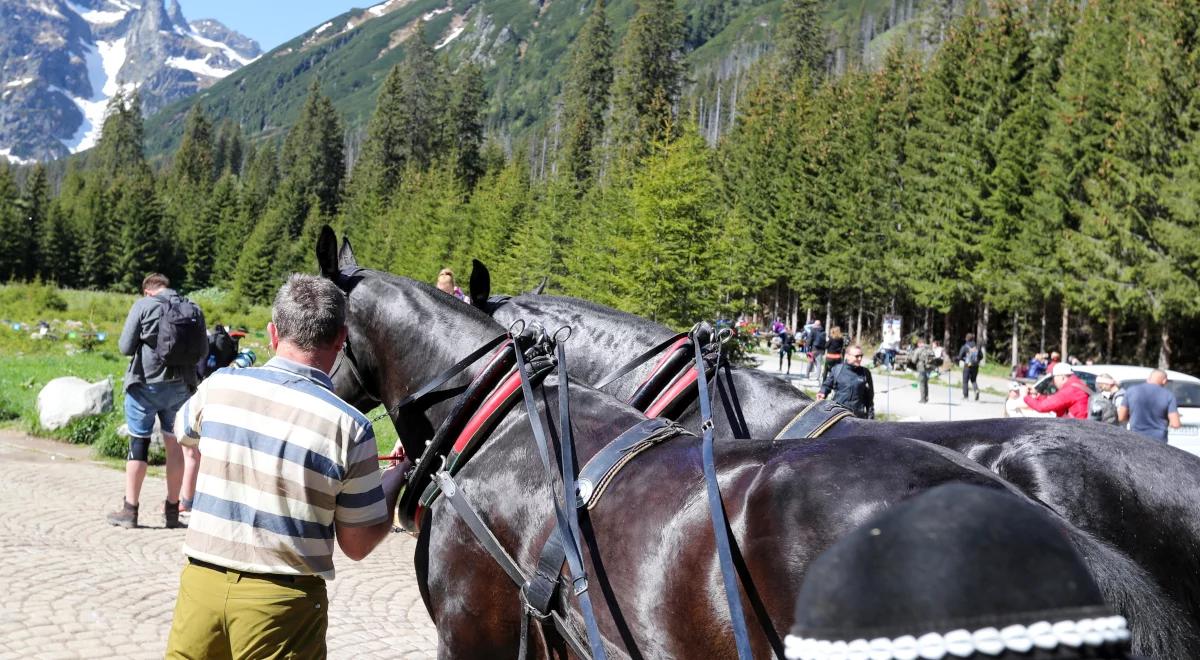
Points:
(606, 339)
(417, 336)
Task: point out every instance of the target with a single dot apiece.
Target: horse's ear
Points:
(346, 256)
(481, 284)
(327, 252)
(537, 290)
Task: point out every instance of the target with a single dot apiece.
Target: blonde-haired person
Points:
(833, 350)
(445, 282)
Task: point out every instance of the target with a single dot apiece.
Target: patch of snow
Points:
(201, 67)
(323, 28)
(6, 154)
(229, 52)
(450, 37)
(18, 83)
(436, 12)
(98, 17)
(380, 8)
(47, 9)
(104, 62)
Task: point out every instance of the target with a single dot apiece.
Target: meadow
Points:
(80, 339)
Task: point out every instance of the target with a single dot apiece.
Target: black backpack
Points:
(182, 338)
(222, 351)
(973, 356)
(1101, 408)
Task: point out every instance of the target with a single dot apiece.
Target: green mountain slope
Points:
(522, 46)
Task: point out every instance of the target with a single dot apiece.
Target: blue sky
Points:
(269, 22)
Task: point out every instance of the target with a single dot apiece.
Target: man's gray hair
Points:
(309, 311)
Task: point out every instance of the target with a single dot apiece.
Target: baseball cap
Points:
(1062, 369)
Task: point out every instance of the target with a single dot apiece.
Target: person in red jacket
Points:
(1071, 399)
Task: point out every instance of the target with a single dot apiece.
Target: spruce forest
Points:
(1036, 180)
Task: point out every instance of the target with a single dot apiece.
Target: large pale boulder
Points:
(64, 400)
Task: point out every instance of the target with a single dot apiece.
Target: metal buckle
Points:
(706, 425)
(532, 611)
(577, 587)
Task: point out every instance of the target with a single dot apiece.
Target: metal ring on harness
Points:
(564, 338)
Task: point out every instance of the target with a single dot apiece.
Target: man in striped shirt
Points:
(286, 468)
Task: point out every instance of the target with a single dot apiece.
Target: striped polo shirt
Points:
(282, 458)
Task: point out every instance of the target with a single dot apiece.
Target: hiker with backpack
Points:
(970, 356)
(164, 336)
(1071, 399)
(1105, 402)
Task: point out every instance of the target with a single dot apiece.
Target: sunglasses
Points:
(856, 355)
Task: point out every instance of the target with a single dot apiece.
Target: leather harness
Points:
(816, 418)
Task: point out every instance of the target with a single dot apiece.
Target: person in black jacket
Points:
(816, 346)
(851, 385)
(787, 345)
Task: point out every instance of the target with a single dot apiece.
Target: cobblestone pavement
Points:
(73, 586)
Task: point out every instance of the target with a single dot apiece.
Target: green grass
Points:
(82, 342)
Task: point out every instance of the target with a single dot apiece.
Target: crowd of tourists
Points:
(842, 376)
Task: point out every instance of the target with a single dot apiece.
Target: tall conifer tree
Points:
(800, 38)
(586, 95)
(649, 78)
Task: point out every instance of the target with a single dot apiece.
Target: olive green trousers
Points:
(229, 614)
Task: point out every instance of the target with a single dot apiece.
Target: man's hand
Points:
(820, 396)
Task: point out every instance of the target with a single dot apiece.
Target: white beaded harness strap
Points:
(964, 643)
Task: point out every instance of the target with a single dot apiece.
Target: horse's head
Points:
(402, 333)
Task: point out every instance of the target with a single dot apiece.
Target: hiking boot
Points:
(126, 517)
(171, 516)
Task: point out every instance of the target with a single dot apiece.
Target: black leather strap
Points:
(716, 510)
(454, 494)
(637, 361)
(443, 377)
(817, 418)
(565, 514)
(600, 470)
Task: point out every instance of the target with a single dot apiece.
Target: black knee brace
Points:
(139, 449)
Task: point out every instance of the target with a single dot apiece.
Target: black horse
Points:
(648, 546)
(1142, 497)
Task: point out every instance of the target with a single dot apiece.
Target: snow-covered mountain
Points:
(62, 60)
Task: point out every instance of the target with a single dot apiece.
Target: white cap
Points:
(1062, 369)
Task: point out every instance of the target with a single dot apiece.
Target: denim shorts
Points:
(145, 401)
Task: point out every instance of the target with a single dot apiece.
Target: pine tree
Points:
(941, 166)
(99, 237)
(190, 232)
(464, 124)
(58, 248)
(499, 204)
(384, 151)
(800, 39)
(258, 272)
(676, 215)
(261, 181)
(36, 207)
(12, 244)
(424, 101)
(120, 148)
(228, 150)
(313, 160)
(195, 160)
(232, 229)
(1083, 110)
(649, 79)
(586, 95)
(137, 207)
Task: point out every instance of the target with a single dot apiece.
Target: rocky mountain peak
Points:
(61, 61)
